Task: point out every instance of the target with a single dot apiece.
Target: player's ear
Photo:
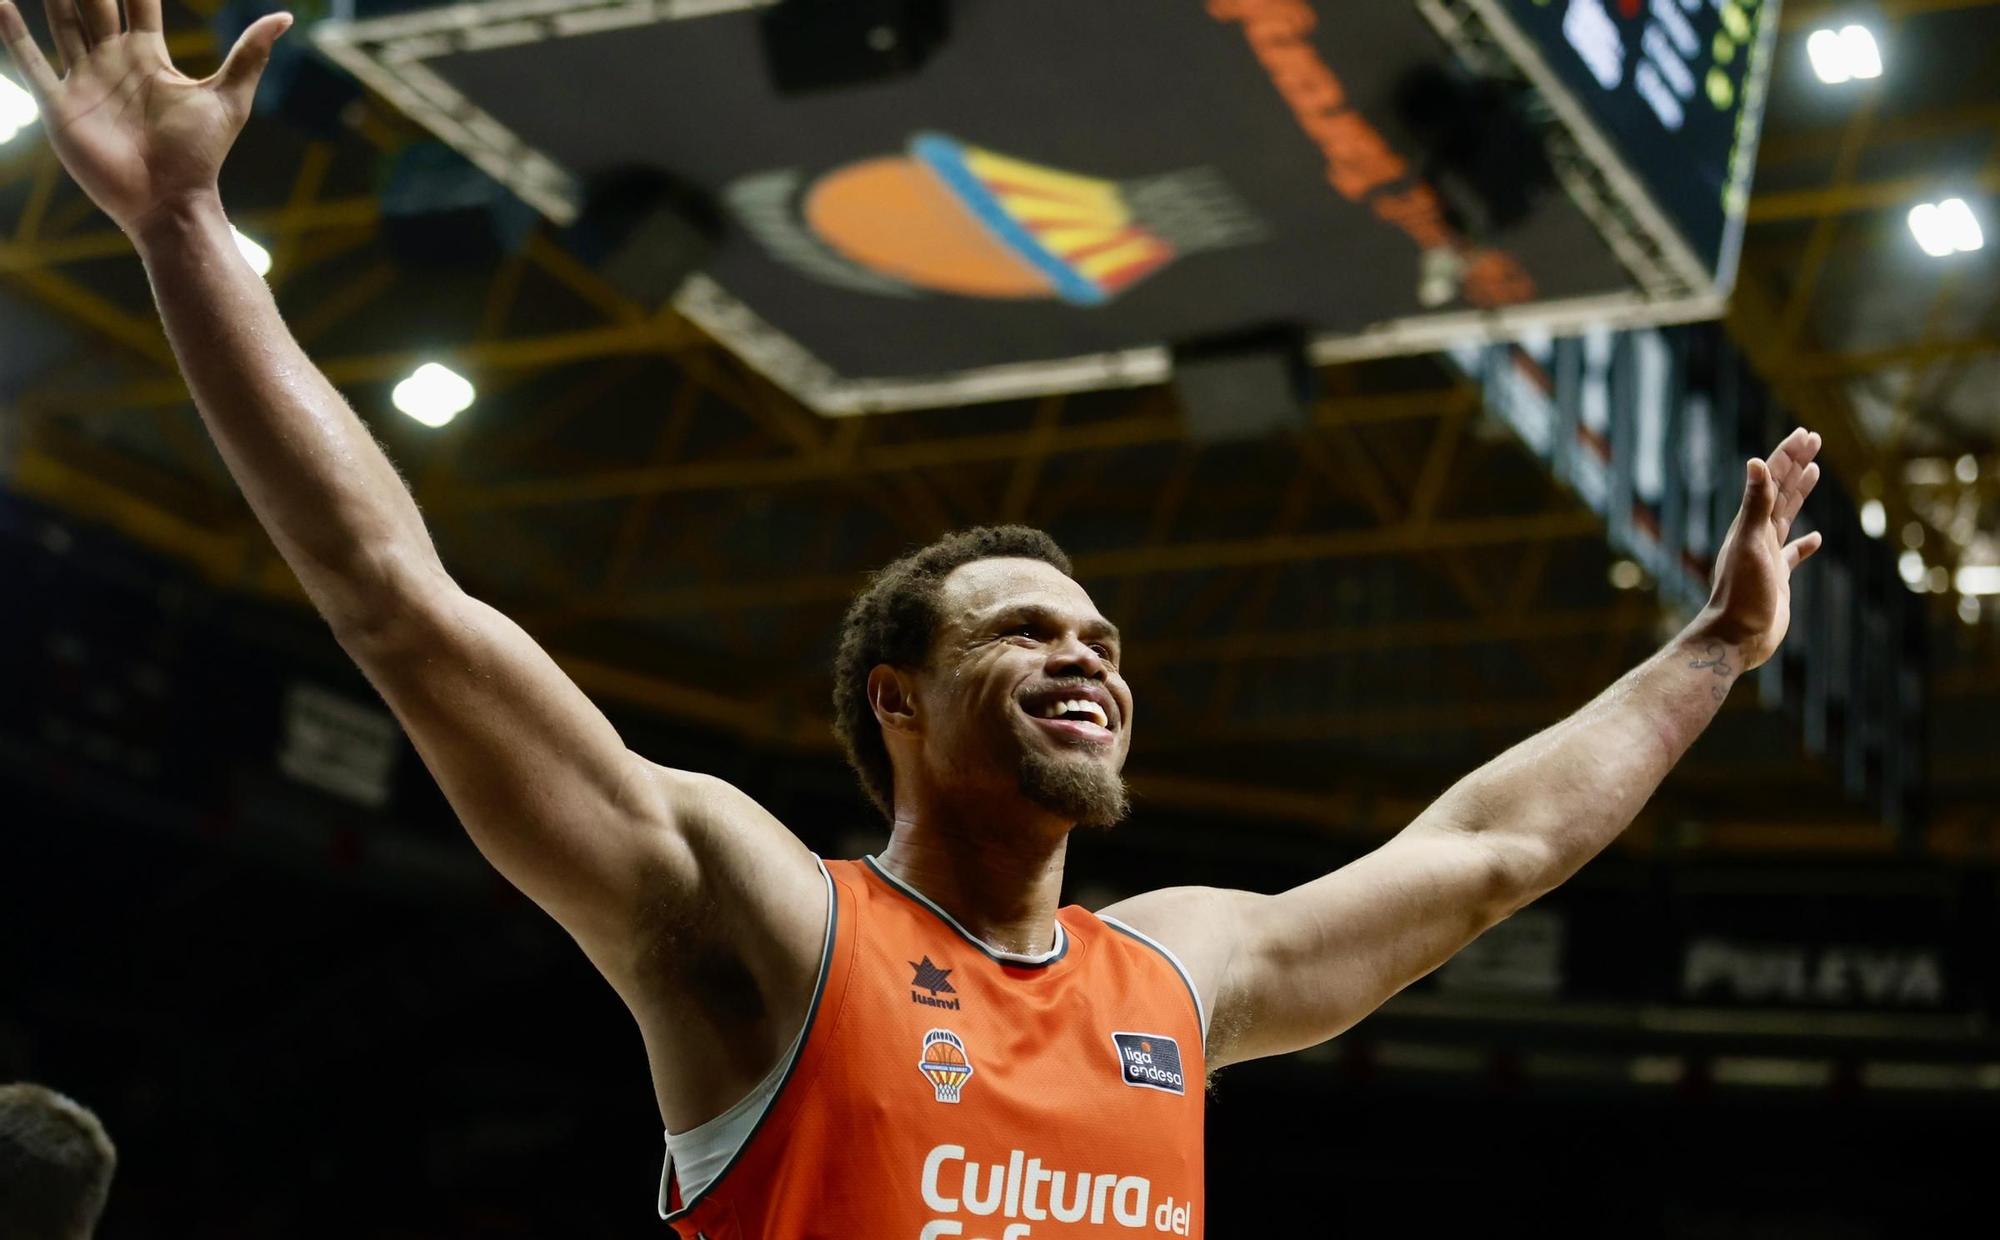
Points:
(892, 695)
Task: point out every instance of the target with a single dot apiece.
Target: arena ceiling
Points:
(1368, 609)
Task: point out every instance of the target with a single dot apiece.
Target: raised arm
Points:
(1287, 971)
(599, 837)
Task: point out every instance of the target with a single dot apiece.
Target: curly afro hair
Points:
(894, 620)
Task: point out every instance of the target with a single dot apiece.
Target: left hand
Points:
(1750, 603)
(136, 133)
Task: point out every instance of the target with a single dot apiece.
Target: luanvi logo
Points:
(935, 980)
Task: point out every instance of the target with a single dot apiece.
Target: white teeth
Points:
(1056, 710)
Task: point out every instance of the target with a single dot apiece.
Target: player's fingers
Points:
(66, 32)
(1797, 553)
(236, 80)
(1783, 460)
(100, 19)
(1794, 496)
(144, 15)
(28, 58)
(1759, 492)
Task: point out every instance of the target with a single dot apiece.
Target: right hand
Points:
(136, 133)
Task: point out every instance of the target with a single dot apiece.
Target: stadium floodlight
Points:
(433, 394)
(1946, 228)
(1874, 519)
(1977, 579)
(17, 109)
(1911, 565)
(1844, 55)
(256, 255)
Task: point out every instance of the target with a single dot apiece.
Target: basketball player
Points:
(919, 1044)
(55, 1166)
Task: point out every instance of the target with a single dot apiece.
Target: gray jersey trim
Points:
(709, 1150)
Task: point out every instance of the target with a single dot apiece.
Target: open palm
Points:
(136, 133)
(1750, 603)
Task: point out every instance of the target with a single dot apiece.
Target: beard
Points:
(1079, 788)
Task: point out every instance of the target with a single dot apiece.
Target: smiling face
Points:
(1023, 691)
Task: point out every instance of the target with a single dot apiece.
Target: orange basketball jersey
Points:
(946, 1090)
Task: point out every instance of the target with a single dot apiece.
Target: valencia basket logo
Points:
(945, 1064)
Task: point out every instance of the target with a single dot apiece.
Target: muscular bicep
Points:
(1287, 971)
(547, 789)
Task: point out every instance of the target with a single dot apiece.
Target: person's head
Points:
(978, 667)
(55, 1165)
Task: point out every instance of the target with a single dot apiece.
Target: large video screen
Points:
(1677, 85)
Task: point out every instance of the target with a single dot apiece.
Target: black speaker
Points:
(1245, 385)
(1481, 146)
(645, 231)
(439, 210)
(815, 45)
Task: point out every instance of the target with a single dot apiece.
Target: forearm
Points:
(1555, 800)
(312, 472)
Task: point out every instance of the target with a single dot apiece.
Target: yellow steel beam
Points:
(329, 215)
(1027, 472)
(720, 597)
(1806, 204)
(1868, 361)
(1802, 16)
(48, 175)
(140, 334)
(1826, 229)
(924, 454)
(230, 559)
(1401, 635)
(1925, 126)
(289, 230)
(525, 353)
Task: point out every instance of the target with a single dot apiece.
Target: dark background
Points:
(301, 1017)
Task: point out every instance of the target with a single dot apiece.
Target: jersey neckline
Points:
(1018, 960)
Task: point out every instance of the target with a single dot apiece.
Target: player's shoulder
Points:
(1196, 928)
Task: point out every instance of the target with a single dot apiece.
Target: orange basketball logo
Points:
(958, 218)
(945, 1064)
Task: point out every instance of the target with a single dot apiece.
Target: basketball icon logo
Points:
(945, 1064)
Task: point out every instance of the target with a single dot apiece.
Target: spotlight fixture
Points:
(1844, 55)
(1874, 519)
(1946, 228)
(256, 255)
(17, 109)
(433, 394)
(1911, 566)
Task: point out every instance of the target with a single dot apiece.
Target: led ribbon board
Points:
(1649, 428)
(1676, 85)
(1063, 191)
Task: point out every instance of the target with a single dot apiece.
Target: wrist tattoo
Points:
(1714, 657)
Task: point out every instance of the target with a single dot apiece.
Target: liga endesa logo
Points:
(1151, 1061)
(1022, 1189)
